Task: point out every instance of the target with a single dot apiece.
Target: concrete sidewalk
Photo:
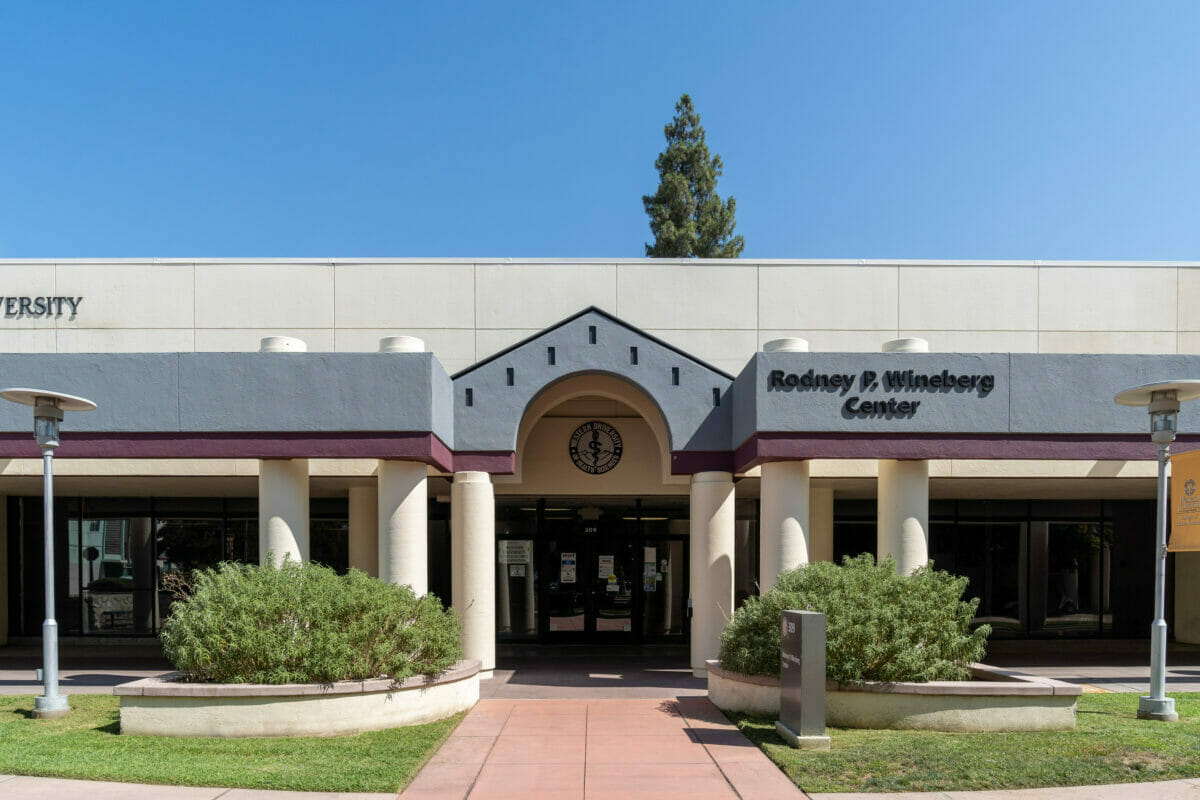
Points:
(682, 749)
(1164, 790)
(23, 788)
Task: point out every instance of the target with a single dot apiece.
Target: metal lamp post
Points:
(1162, 401)
(48, 408)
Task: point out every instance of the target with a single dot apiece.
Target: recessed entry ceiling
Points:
(595, 406)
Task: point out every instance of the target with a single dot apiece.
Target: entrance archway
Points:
(592, 548)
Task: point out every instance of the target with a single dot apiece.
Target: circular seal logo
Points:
(1189, 488)
(595, 447)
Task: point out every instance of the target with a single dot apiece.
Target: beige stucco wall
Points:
(720, 311)
(241, 710)
(546, 466)
(1030, 704)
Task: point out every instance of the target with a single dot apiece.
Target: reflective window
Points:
(112, 561)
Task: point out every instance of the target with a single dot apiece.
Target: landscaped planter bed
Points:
(996, 700)
(165, 706)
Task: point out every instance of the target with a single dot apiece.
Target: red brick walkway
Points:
(592, 749)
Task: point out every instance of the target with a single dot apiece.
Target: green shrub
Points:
(879, 626)
(304, 623)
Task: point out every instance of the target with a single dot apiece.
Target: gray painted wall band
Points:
(332, 392)
(234, 392)
(1032, 393)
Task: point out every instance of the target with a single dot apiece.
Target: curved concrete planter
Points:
(163, 706)
(996, 700)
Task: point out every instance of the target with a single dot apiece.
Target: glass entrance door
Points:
(591, 570)
(590, 562)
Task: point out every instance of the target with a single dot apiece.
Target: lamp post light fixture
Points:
(48, 408)
(1162, 401)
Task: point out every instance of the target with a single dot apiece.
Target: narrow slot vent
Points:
(470, 397)
(633, 356)
(550, 356)
(591, 334)
(716, 396)
(674, 376)
(511, 375)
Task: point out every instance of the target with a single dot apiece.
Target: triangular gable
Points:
(602, 313)
(490, 397)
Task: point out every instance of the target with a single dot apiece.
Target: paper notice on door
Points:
(566, 570)
(515, 551)
(605, 567)
(651, 554)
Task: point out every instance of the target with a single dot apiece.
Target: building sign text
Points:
(18, 307)
(894, 381)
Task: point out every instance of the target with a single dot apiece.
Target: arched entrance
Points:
(592, 528)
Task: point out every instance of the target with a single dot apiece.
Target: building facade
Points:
(597, 451)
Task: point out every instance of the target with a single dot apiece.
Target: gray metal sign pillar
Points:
(802, 680)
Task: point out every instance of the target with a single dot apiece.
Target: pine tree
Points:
(687, 217)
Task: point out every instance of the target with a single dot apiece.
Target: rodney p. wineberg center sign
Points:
(888, 381)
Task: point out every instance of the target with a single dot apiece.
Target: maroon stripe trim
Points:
(424, 447)
(779, 446)
(497, 462)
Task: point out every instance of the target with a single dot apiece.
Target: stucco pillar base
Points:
(363, 521)
(711, 531)
(904, 513)
(473, 553)
(820, 524)
(283, 509)
(403, 525)
(784, 535)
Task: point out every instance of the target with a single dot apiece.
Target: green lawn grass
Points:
(1109, 745)
(88, 744)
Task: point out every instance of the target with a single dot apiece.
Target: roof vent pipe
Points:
(282, 344)
(792, 344)
(401, 344)
(912, 345)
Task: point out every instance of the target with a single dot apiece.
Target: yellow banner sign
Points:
(1185, 501)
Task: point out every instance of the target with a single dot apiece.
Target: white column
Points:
(904, 513)
(403, 524)
(1187, 597)
(473, 574)
(364, 529)
(283, 488)
(283, 509)
(784, 510)
(711, 535)
(820, 524)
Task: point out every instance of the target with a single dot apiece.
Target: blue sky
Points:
(1047, 129)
